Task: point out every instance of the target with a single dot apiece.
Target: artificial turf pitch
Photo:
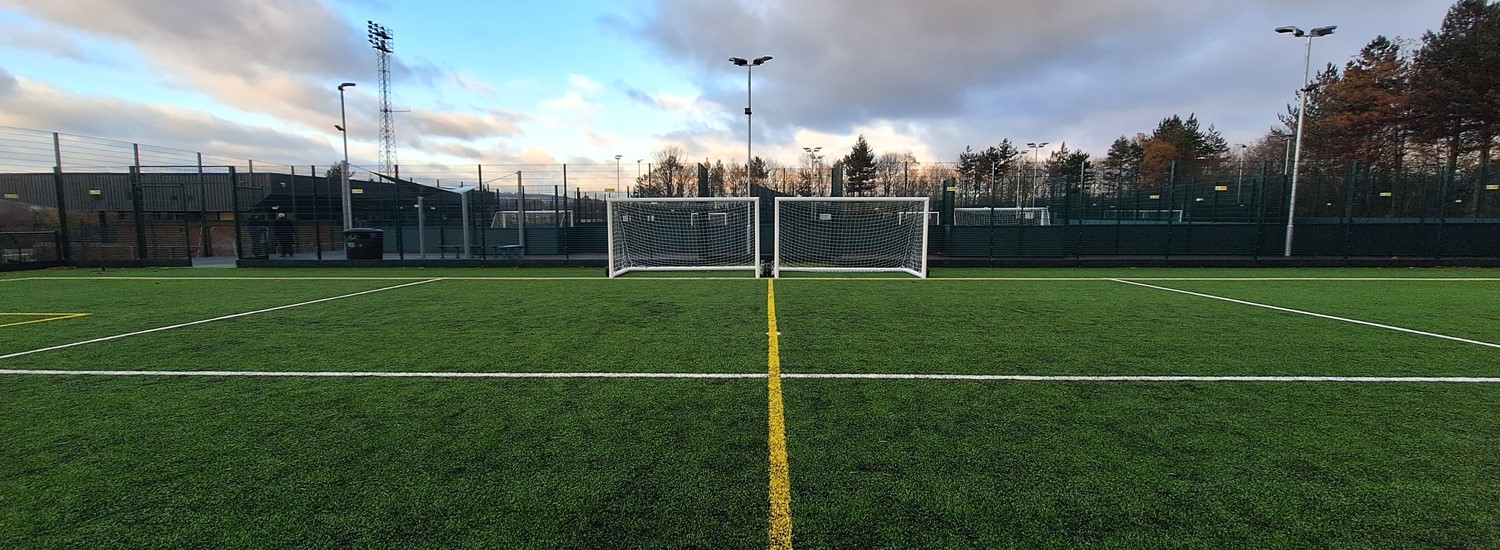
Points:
(670, 462)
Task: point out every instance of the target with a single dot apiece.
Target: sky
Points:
(581, 81)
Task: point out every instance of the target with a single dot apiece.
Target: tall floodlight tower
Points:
(383, 42)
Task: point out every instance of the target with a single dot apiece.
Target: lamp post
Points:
(1036, 163)
(617, 172)
(1241, 184)
(1291, 209)
(344, 169)
(749, 70)
(813, 158)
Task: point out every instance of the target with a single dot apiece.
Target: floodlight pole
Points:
(344, 169)
(749, 94)
(1291, 209)
(617, 172)
(1036, 170)
(1241, 184)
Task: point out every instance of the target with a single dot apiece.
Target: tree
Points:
(718, 180)
(978, 171)
(859, 168)
(1192, 147)
(1122, 164)
(1361, 114)
(1456, 81)
(1065, 163)
(668, 176)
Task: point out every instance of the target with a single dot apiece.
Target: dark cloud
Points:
(976, 71)
(7, 83)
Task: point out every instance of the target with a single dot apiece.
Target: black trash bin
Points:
(364, 244)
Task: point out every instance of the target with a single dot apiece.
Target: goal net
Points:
(853, 234)
(510, 219)
(683, 234)
(1025, 215)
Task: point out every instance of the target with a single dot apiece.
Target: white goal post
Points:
(1024, 215)
(683, 234)
(851, 234)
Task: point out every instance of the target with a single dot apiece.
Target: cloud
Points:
(8, 83)
(35, 105)
(495, 123)
(279, 57)
(976, 71)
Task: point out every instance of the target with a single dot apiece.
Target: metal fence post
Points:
(234, 200)
(64, 246)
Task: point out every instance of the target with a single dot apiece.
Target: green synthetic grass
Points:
(1090, 328)
(238, 462)
(996, 465)
(117, 307)
(452, 326)
(1464, 309)
(256, 463)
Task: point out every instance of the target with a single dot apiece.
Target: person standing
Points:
(285, 232)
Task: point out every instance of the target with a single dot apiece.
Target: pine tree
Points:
(859, 168)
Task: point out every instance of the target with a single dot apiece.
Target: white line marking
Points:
(811, 376)
(326, 374)
(1311, 314)
(223, 318)
(1029, 378)
(876, 279)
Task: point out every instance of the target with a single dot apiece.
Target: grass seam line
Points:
(1311, 314)
(220, 318)
(780, 532)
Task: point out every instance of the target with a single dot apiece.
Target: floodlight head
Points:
(739, 61)
(1294, 31)
(1323, 31)
(345, 85)
(762, 59)
(339, 128)
(617, 157)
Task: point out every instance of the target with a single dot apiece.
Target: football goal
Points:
(1025, 215)
(683, 234)
(851, 234)
(510, 219)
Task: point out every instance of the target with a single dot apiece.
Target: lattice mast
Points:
(384, 43)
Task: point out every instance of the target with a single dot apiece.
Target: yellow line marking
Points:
(50, 317)
(781, 479)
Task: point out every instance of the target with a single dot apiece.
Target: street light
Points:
(617, 171)
(1036, 162)
(749, 69)
(813, 157)
(1241, 184)
(344, 169)
(1291, 209)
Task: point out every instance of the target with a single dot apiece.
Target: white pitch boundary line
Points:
(1124, 378)
(1311, 314)
(222, 318)
(876, 279)
(336, 374)
(809, 376)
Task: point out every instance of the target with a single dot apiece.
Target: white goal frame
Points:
(615, 268)
(777, 265)
(1042, 215)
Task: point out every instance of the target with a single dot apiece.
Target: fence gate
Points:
(161, 220)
